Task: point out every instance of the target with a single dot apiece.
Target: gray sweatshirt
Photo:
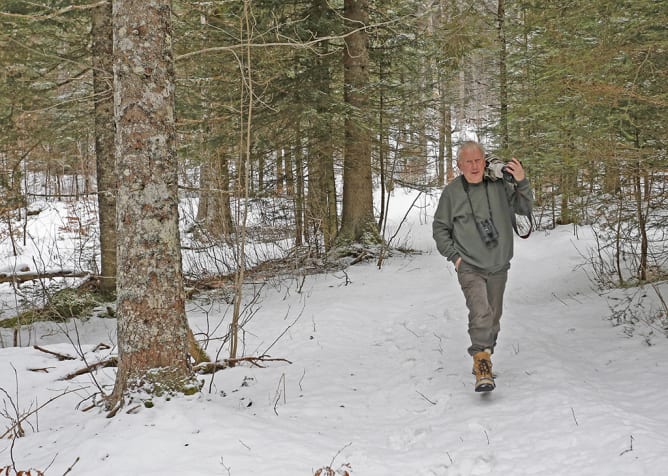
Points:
(454, 227)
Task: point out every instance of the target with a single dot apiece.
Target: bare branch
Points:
(291, 44)
(54, 14)
(25, 416)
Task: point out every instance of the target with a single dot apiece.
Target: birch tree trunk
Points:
(152, 326)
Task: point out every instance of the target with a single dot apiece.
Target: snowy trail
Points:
(399, 378)
(379, 379)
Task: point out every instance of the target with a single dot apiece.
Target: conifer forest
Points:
(219, 140)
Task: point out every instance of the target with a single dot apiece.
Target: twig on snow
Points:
(58, 355)
(629, 449)
(574, 419)
(212, 367)
(72, 466)
(423, 396)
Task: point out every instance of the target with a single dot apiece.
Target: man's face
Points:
(472, 164)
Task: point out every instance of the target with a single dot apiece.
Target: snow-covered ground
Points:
(378, 381)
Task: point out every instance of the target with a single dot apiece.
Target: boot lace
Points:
(484, 368)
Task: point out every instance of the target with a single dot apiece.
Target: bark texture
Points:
(214, 208)
(102, 34)
(152, 326)
(357, 219)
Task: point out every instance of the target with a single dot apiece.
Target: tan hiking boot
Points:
(482, 367)
(494, 374)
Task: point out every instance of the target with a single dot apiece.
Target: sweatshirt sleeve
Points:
(521, 199)
(442, 229)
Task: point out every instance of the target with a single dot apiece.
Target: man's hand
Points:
(514, 167)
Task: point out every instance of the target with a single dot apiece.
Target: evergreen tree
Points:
(152, 325)
(357, 219)
(102, 53)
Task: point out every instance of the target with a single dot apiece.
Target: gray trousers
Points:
(484, 299)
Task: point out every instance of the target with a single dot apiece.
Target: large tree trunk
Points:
(152, 326)
(357, 219)
(321, 218)
(104, 144)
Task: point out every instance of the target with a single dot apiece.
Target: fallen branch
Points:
(110, 362)
(50, 352)
(23, 277)
(212, 367)
(255, 360)
(202, 368)
(101, 346)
